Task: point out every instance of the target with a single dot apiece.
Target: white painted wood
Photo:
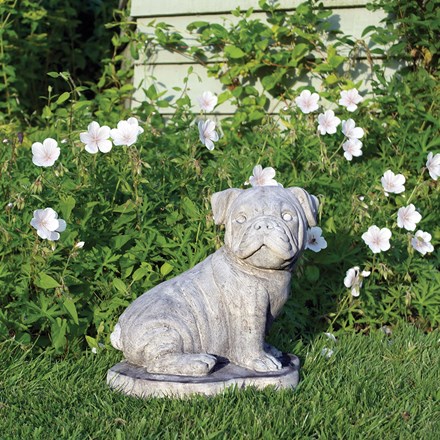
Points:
(167, 76)
(166, 70)
(349, 21)
(152, 8)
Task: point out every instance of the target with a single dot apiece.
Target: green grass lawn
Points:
(373, 387)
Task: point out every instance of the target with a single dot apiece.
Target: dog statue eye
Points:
(287, 217)
(240, 219)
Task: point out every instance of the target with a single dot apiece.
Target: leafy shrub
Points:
(143, 210)
(51, 35)
(410, 31)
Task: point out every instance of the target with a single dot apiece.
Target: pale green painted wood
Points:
(167, 70)
(151, 8)
(349, 21)
(166, 76)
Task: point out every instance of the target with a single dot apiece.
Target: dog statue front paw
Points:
(263, 363)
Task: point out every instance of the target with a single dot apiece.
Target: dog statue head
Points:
(265, 226)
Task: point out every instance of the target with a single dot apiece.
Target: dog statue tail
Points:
(115, 337)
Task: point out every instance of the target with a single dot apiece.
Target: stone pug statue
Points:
(224, 305)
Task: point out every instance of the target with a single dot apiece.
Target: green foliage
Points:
(143, 211)
(287, 48)
(37, 37)
(410, 31)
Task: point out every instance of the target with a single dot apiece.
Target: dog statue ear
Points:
(309, 203)
(221, 201)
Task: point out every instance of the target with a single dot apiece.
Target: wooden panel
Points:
(153, 8)
(350, 21)
(165, 77)
(167, 70)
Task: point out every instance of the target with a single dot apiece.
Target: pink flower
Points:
(421, 242)
(45, 154)
(377, 239)
(327, 122)
(263, 177)
(315, 241)
(307, 101)
(353, 279)
(433, 165)
(350, 99)
(47, 224)
(207, 133)
(350, 130)
(96, 138)
(393, 183)
(408, 217)
(126, 132)
(207, 101)
(352, 148)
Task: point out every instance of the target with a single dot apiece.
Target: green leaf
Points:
(134, 52)
(234, 52)
(58, 333)
(71, 309)
(66, 206)
(47, 112)
(166, 268)
(197, 25)
(312, 273)
(299, 51)
(81, 104)
(92, 342)
(63, 97)
(162, 103)
(47, 282)
(140, 273)
(151, 92)
(256, 115)
(119, 285)
(270, 81)
(190, 208)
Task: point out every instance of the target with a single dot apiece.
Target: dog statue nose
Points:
(264, 224)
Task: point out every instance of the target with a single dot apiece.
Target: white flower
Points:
(315, 241)
(96, 138)
(350, 130)
(207, 133)
(350, 99)
(307, 101)
(45, 154)
(422, 242)
(263, 177)
(327, 352)
(393, 183)
(126, 132)
(352, 148)
(94, 350)
(327, 122)
(47, 224)
(408, 217)
(433, 165)
(79, 245)
(353, 279)
(208, 101)
(377, 239)
(331, 336)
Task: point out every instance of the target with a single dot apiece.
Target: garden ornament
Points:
(222, 308)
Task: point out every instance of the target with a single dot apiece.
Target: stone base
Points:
(136, 381)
